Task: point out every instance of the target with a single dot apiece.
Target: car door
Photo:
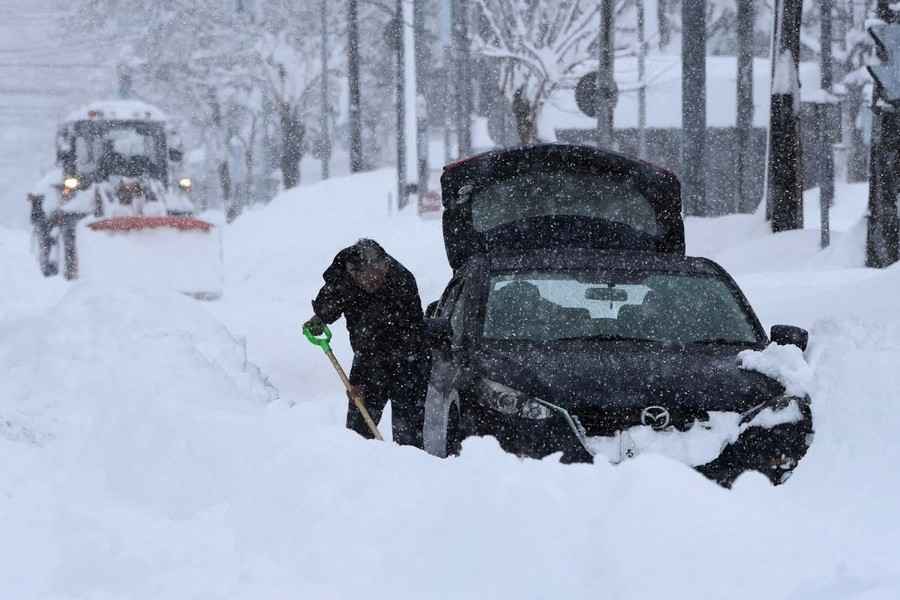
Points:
(447, 364)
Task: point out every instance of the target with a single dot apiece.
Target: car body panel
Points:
(619, 379)
(462, 239)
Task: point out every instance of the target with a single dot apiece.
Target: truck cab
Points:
(119, 204)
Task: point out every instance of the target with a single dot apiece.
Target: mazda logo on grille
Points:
(656, 417)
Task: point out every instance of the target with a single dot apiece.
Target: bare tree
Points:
(540, 44)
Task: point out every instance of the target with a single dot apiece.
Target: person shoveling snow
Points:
(380, 300)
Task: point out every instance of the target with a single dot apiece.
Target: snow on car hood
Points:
(697, 446)
(785, 364)
(713, 396)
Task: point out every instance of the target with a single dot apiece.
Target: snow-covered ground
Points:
(146, 454)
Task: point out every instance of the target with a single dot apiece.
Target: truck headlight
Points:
(185, 183)
(71, 183)
(508, 401)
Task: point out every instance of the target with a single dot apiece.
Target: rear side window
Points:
(563, 193)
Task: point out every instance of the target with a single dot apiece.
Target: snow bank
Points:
(745, 243)
(23, 290)
(159, 469)
(103, 350)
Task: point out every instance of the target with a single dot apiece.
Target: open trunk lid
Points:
(552, 195)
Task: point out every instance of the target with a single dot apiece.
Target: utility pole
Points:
(824, 124)
(356, 155)
(693, 106)
(784, 170)
(448, 101)
(421, 66)
(882, 243)
(460, 21)
(642, 76)
(325, 129)
(744, 122)
(606, 78)
(401, 106)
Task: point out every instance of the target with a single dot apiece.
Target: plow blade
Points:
(163, 252)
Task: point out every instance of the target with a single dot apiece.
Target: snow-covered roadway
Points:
(144, 456)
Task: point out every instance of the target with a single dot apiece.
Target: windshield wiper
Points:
(606, 338)
(720, 341)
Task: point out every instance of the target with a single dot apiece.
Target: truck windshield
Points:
(104, 148)
(562, 193)
(656, 307)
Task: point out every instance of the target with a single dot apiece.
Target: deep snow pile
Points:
(163, 471)
(23, 290)
(744, 243)
(105, 349)
(115, 405)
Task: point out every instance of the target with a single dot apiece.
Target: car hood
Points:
(625, 377)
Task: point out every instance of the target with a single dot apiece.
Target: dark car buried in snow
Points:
(574, 324)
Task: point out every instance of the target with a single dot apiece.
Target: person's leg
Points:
(409, 385)
(372, 380)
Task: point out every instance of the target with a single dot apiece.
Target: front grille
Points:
(607, 421)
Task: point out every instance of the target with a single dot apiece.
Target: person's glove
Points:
(315, 326)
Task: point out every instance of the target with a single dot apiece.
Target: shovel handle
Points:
(324, 342)
(360, 404)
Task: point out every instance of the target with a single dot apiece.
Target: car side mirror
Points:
(431, 311)
(438, 332)
(790, 335)
(175, 155)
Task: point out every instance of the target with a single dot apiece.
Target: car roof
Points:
(577, 258)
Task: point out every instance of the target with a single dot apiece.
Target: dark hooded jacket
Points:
(385, 324)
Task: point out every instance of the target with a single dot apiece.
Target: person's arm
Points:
(332, 299)
(413, 321)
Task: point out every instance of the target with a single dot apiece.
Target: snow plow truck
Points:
(118, 206)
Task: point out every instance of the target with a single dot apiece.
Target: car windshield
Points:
(563, 193)
(119, 148)
(659, 307)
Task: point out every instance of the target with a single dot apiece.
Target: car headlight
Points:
(185, 183)
(71, 183)
(508, 401)
(778, 410)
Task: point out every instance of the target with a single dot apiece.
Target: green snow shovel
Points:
(324, 342)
